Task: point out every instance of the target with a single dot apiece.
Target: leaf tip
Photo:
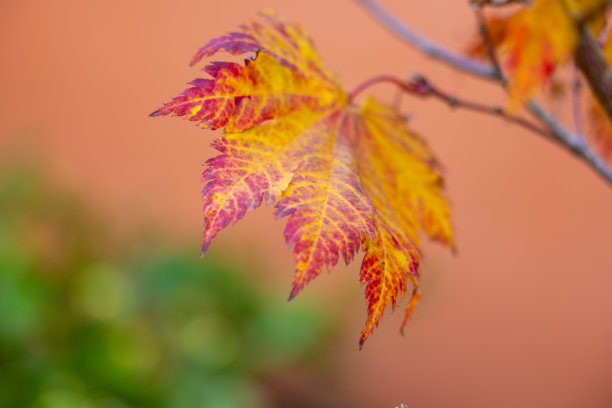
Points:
(154, 114)
(293, 294)
(414, 299)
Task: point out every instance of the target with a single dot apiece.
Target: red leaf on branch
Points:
(348, 176)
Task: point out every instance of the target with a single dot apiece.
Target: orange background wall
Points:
(522, 315)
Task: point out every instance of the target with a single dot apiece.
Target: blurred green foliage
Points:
(85, 322)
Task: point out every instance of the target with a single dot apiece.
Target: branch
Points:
(455, 102)
(575, 144)
(420, 86)
(484, 33)
(426, 44)
(560, 133)
(495, 3)
(592, 62)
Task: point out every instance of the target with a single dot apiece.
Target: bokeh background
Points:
(105, 303)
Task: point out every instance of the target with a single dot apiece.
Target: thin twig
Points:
(561, 134)
(420, 86)
(491, 110)
(494, 3)
(575, 144)
(484, 33)
(426, 44)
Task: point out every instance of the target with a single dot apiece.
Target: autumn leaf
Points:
(537, 39)
(349, 177)
(497, 31)
(589, 11)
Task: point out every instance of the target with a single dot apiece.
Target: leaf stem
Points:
(420, 86)
(407, 87)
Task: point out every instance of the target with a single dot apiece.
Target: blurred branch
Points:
(486, 38)
(425, 44)
(593, 64)
(495, 3)
(574, 143)
(498, 111)
(559, 133)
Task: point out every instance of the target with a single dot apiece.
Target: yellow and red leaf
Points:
(537, 39)
(329, 209)
(397, 175)
(347, 176)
